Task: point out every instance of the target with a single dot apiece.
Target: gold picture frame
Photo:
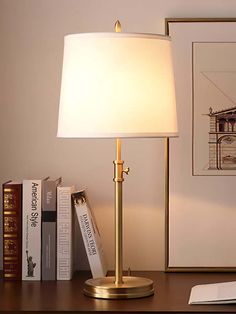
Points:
(175, 236)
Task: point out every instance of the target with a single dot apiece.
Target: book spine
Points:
(64, 233)
(90, 235)
(12, 198)
(49, 216)
(31, 233)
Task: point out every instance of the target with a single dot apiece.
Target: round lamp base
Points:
(132, 287)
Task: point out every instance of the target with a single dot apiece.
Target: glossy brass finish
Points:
(119, 286)
(117, 27)
(106, 288)
(118, 179)
(118, 171)
(118, 233)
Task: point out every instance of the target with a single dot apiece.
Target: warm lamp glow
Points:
(117, 85)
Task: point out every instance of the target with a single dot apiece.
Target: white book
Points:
(64, 233)
(90, 234)
(31, 230)
(217, 293)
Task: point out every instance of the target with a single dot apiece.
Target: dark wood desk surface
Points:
(171, 296)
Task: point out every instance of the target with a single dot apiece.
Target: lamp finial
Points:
(117, 26)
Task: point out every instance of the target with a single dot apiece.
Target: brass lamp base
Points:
(106, 288)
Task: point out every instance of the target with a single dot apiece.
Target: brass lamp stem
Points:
(118, 179)
(119, 286)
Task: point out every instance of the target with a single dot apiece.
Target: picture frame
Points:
(200, 204)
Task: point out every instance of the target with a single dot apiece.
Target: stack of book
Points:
(38, 231)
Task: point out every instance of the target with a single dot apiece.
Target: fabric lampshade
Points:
(117, 85)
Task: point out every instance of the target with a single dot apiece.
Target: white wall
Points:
(31, 47)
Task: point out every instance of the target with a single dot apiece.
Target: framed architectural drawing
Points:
(201, 163)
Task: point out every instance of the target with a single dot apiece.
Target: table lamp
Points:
(117, 85)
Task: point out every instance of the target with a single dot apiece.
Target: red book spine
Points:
(12, 207)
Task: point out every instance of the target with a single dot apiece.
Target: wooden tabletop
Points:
(171, 295)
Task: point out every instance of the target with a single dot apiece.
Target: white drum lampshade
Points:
(117, 85)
